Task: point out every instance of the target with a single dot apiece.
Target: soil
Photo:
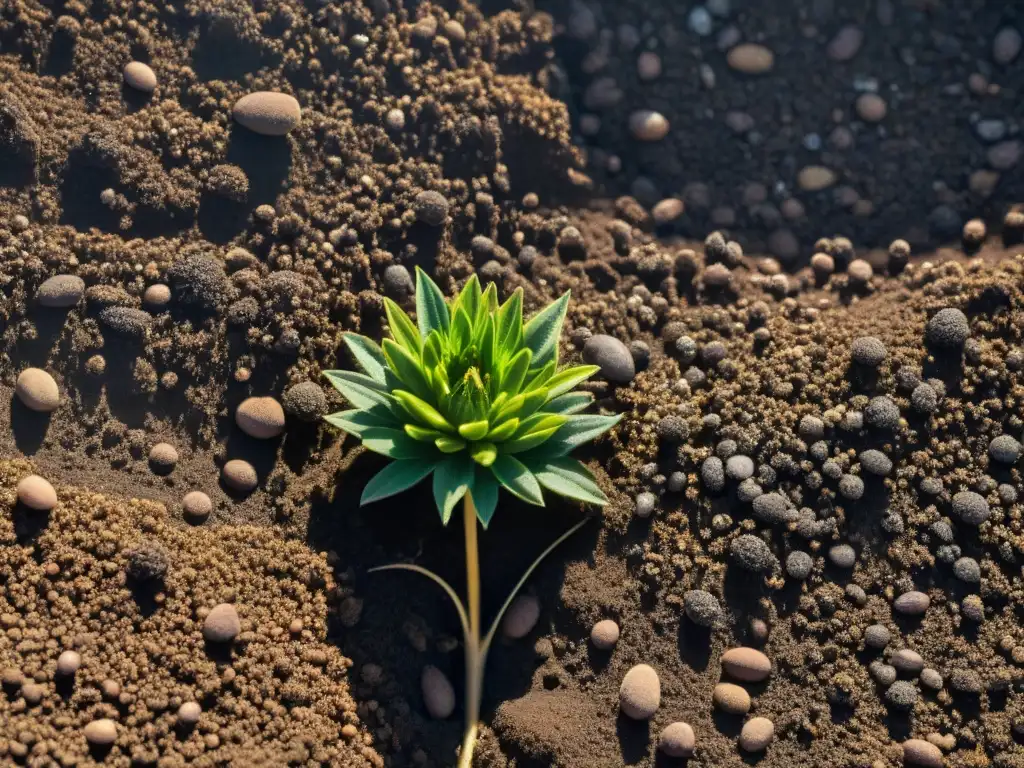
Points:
(273, 246)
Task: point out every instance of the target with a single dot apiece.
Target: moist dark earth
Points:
(793, 230)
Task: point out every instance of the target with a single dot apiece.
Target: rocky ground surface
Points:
(813, 551)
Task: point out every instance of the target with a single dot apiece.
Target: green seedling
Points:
(472, 395)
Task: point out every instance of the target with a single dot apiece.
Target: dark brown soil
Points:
(273, 246)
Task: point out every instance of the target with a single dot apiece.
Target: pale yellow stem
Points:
(474, 662)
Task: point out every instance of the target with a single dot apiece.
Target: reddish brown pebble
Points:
(268, 112)
(36, 493)
(919, 752)
(730, 698)
(37, 390)
(871, 107)
(438, 693)
(640, 693)
(747, 664)
(667, 211)
(757, 734)
(140, 76)
(260, 417)
(677, 740)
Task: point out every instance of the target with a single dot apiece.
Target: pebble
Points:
(1005, 449)
(912, 603)
(752, 554)
(971, 507)
(157, 296)
(1006, 45)
(875, 462)
(746, 664)
(731, 699)
(139, 76)
(871, 108)
(757, 734)
(901, 695)
(604, 634)
(189, 713)
(868, 351)
(126, 321)
(305, 401)
(611, 356)
(260, 417)
(37, 390)
(521, 617)
(61, 291)
(667, 211)
(846, 44)
(397, 281)
(197, 505)
(648, 65)
(814, 178)
(907, 661)
(431, 208)
(222, 624)
(700, 21)
(648, 125)
(702, 608)
(677, 740)
(162, 458)
(36, 493)
(68, 663)
(1004, 155)
(930, 678)
(438, 693)
(799, 565)
(842, 556)
(948, 329)
(921, 753)
(267, 112)
(640, 693)
(240, 475)
(739, 467)
(751, 59)
(101, 733)
(645, 503)
(990, 131)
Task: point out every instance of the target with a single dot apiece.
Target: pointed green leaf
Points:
(484, 454)
(402, 328)
(485, 494)
(486, 347)
(431, 310)
(453, 478)
(577, 431)
(368, 355)
(422, 411)
(523, 405)
(517, 479)
(529, 441)
(539, 378)
(433, 350)
(395, 444)
(496, 405)
(509, 330)
(359, 389)
(515, 372)
(449, 444)
(539, 422)
(570, 403)
(489, 301)
(407, 368)
(461, 331)
(357, 420)
(568, 477)
(503, 431)
(468, 298)
(541, 334)
(565, 380)
(474, 430)
(422, 434)
(396, 477)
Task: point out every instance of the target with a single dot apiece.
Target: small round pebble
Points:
(1006, 45)
(702, 608)
(197, 505)
(162, 458)
(731, 699)
(604, 634)
(611, 356)
(157, 296)
(101, 733)
(645, 503)
(918, 752)
(139, 76)
(37, 493)
(739, 467)
(924, 399)
(240, 475)
(673, 429)
(189, 713)
(37, 390)
(868, 351)
(222, 624)
(751, 59)
(267, 112)
(931, 679)
(260, 417)
(773, 508)
(901, 695)
(68, 663)
(907, 661)
(438, 693)
(431, 208)
(712, 472)
(842, 556)
(851, 487)
(799, 565)
(640, 693)
(973, 608)
(61, 291)
(877, 636)
(757, 734)
(746, 664)
(752, 554)
(967, 570)
(966, 681)
(882, 413)
(398, 281)
(1005, 449)
(971, 507)
(875, 462)
(521, 617)
(305, 401)
(948, 329)
(871, 108)
(912, 603)
(677, 740)
(648, 125)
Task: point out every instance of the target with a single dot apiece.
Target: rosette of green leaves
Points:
(473, 395)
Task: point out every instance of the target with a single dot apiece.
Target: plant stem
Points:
(474, 659)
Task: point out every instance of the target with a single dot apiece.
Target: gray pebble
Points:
(799, 565)
(868, 351)
(851, 487)
(61, 291)
(702, 608)
(931, 679)
(842, 556)
(712, 472)
(971, 507)
(948, 329)
(645, 503)
(1005, 449)
(739, 467)
(967, 570)
(611, 356)
(912, 603)
(398, 281)
(907, 661)
(875, 462)
(901, 695)
(877, 636)
(752, 554)
(883, 674)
